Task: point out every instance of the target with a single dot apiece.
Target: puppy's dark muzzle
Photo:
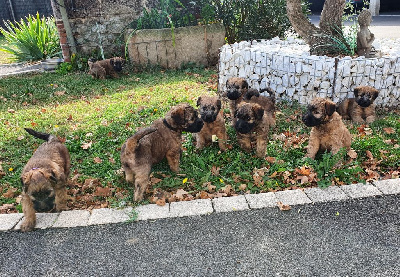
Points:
(310, 120)
(244, 127)
(233, 94)
(195, 127)
(364, 102)
(44, 205)
(210, 117)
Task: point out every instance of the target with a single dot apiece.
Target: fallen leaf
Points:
(10, 193)
(97, 160)
(270, 159)
(215, 170)
(389, 130)
(102, 192)
(69, 117)
(11, 111)
(59, 93)
(211, 188)
(243, 187)
(180, 193)
(20, 137)
(161, 202)
(283, 207)
(155, 180)
(86, 145)
(352, 154)
(369, 155)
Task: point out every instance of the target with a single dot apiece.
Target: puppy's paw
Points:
(27, 226)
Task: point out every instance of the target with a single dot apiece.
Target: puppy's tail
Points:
(133, 141)
(270, 91)
(43, 136)
(250, 93)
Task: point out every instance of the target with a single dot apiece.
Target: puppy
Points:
(44, 178)
(252, 126)
(96, 70)
(214, 123)
(110, 66)
(328, 130)
(236, 88)
(266, 102)
(163, 139)
(360, 109)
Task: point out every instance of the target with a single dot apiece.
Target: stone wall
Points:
(98, 23)
(197, 44)
(286, 67)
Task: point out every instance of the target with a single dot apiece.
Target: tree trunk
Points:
(325, 39)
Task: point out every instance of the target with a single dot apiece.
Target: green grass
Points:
(104, 113)
(5, 57)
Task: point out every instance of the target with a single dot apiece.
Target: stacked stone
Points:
(289, 69)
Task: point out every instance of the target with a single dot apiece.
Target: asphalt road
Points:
(350, 238)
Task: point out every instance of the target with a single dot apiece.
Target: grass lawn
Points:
(95, 117)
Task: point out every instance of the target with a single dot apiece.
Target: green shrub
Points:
(254, 19)
(33, 39)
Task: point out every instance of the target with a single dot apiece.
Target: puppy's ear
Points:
(53, 177)
(112, 62)
(178, 116)
(245, 84)
(356, 91)
(330, 107)
(219, 105)
(24, 186)
(258, 111)
(375, 93)
(198, 101)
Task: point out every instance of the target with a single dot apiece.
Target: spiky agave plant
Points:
(31, 39)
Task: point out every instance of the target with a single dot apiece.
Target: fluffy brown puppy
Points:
(266, 102)
(360, 109)
(96, 70)
(44, 178)
(328, 130)
(252, 126)
(111, 67)
(163, 139)
(214, 123)
(236, 88)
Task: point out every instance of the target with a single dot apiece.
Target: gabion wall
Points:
(287, 67)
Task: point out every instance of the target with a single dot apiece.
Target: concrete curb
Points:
(74, 218)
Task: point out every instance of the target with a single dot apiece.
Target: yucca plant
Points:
(31, 39)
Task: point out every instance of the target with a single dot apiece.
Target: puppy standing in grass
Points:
(360, 109)
(328, 130)
(236, 88)
(214, 123)
(163, 139)
(108, 67)
(44, 178)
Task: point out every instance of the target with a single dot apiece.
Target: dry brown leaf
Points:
(20, 137)
(59, 93)
(210, 188)
(270, 159)
(389, 130)
(155, 180)
(11, 111)
(161, 202)
(352, 154)
(180, 194)
(243, 187)
(215, 170)
(10, 193)
(283, 207)
(369, 155)
(204, 195)
(303, 171)
(69, 117)
(103, 192)
(86, 145)
(97, 160)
